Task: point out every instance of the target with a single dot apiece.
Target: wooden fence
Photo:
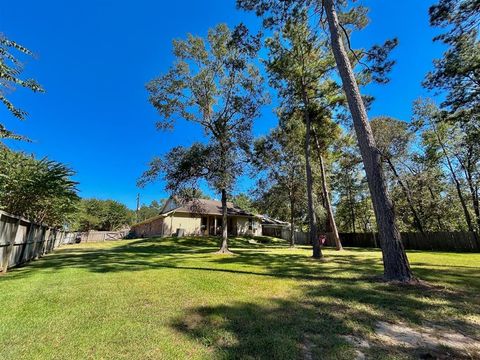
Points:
(100, 236)
(22, 240)
(434, 241)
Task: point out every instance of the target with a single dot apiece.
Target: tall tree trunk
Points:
(473, 187)
(466, 213)
(352, 210)
(406, 190)
(326, 196)
(224, 247)
(292, 219)
(312, 220)
(434, 199)
(395, 261)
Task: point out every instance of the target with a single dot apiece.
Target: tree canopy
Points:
(215, 84)
(40, 190)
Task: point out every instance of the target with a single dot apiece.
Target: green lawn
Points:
(174, 299)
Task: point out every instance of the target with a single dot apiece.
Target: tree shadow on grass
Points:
(256, 259)
(338, 297)
(281, 329)
(320, 325)
(197, 254)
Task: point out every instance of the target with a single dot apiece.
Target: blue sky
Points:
(95, 56)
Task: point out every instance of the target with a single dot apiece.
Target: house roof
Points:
(267, 220)
(203, 207)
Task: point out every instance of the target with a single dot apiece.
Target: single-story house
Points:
(273, 227)
(198, 217)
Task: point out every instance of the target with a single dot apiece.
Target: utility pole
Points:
(138, 208)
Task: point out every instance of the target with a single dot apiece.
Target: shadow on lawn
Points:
(183, 253)
(282, 329)
(186, 253)
(335, 297)
(314, 327)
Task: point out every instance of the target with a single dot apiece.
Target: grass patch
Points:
(173, 299)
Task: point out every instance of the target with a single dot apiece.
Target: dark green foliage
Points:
(279, 158)
(103, 215)
(213, 83)
(145, 212)
(244, 202)
(39, 190)
(458, 72)
(375, 63)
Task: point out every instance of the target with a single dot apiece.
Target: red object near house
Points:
(322, 239)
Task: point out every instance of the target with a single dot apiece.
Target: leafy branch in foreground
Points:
(10, 71)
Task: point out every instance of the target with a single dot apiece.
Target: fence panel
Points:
(99, 236)
(433, 241)
(22, 240)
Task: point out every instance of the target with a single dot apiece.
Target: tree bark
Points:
(352, 210)
(408, 195)
(395, 261)
(466, 213)
(224, 247)
(475, 201)
(292, 219)
(326, 196)
(312, 220)
(473, 187)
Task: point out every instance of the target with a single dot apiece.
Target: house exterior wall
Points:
(191, 225)
(243, 226)
(167, 226)
(147, 229)
(257, 227)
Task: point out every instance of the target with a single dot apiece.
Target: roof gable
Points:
(203, 207)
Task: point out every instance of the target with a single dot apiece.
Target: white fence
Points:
(22, 240)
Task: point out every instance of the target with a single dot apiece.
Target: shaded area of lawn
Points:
(267, 301)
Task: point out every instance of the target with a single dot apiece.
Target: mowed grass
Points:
(174, 299)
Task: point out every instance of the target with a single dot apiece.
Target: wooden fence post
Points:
(8, 252)
(46, 236)
(26, 257)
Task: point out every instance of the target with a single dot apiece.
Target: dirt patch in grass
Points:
(359, 344)
(428, 341)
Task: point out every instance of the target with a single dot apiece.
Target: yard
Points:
(174, 299)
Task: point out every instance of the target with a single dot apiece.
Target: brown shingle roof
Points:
(209, 207)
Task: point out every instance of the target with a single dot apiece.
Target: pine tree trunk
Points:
(434, 199)
(396, 266)
(474, 196)
(312, 220)
(408, 195)
(292, 220)
(224, 247)
(466, 212)
(352, 210)
(326, 197)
